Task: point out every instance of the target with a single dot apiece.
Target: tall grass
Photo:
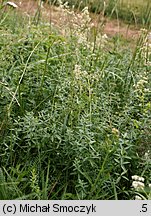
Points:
(137, 12)
(74, 112)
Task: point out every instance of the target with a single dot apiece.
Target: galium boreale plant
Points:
(140, 189)
(81, 27)
(146, 46)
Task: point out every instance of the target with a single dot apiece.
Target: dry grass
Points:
(52, 14)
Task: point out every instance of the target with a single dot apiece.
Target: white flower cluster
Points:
(145, 49)
(115, 131)
(78, 73)
(138, 182)
(63, 5)
(138, 197)
(146, 46)
(79, 81)
(80, 26)
(140, 86)
(138, 185)
(138, 178)
(147, 155)
(83, 80)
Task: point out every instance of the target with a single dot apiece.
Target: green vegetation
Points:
(136, 11)
(75, 111)
(131, 11)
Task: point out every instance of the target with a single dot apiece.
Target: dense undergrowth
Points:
(75, 111)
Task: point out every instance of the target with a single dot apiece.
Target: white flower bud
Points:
(138, 197)
(137, 184)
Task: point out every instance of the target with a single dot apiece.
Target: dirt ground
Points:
(53, 15)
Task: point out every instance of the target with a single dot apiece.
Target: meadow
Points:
(130, 11)
(75, 110)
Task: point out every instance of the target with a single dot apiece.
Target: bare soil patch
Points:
(53, 15)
